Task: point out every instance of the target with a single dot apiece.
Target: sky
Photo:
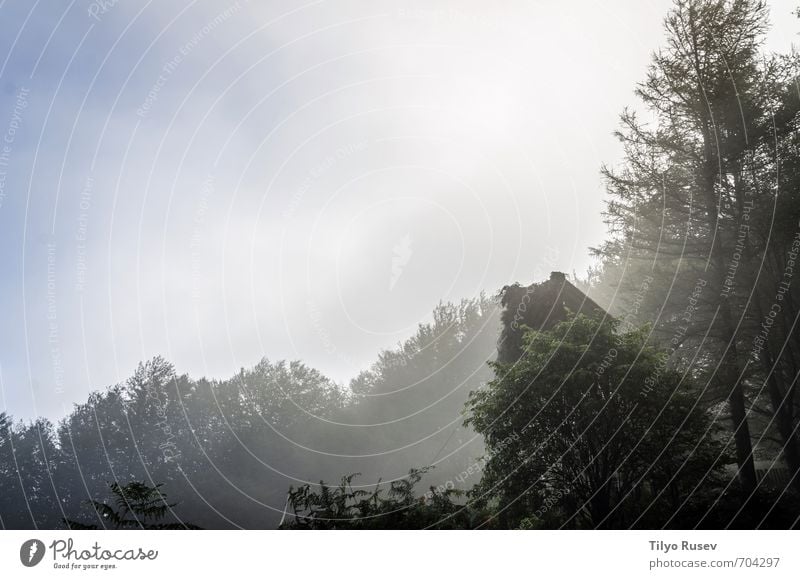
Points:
(218, 182)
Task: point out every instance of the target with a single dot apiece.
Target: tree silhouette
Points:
(696, 198)
(394, 507)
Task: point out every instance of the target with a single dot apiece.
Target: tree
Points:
(29, 493)
(682, 205)
(138, 506)
(413, 396)
(772, 332)
(591, 428)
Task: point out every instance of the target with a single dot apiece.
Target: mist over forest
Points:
(656, 389)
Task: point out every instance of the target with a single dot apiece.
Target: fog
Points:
(222, 183)
(219, 184)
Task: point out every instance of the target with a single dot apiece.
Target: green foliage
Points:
(135, 505)
(28, 473)
(393, 507)
(227, 442)
(413, 397)
(708, 191)
(590, 428)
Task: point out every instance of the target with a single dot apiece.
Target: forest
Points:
(659, 390)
